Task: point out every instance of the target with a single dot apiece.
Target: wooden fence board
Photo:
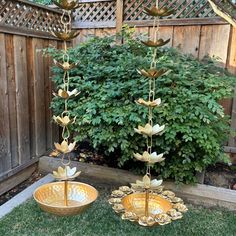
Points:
(22, 103)
(142, 30)
(186, 38)
(5, 155)
(231, 66)
(40, 123)
(99, 32)
(109, 32)
(12, 100)
(214, 42)
(48, 62)
(231, 63)
(30, 74)
(119, 15)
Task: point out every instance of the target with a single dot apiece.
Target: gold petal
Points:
(63, 94)
(146, 181)
(61, 171)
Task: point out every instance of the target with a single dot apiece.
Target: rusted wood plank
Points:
(5, 154)
(186, 38)
(22, 103)
(12, 99)
(214, 42)
(39, 94)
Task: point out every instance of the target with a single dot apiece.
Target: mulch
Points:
(13, 192)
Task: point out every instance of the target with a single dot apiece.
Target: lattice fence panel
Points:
(104, 11)
(184, 9)
(29, 16)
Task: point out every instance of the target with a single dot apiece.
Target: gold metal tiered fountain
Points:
(65, 197)
(146, 202)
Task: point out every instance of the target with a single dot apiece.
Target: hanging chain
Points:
(152, 86)
(66, 22)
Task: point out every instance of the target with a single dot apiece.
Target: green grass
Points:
(100, 219)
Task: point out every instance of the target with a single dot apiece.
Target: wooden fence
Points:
(194, 29)
(26, 131)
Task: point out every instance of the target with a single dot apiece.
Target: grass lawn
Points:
(100, 220)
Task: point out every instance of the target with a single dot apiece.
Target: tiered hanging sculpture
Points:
(146, 202)
(65, 197)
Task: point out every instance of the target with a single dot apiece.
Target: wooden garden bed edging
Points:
(198, 194)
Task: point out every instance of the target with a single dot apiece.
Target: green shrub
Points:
(196, 127)
(44, 2)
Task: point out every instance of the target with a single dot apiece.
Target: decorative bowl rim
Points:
(66, 207)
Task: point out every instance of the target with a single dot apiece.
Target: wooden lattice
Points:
(184, 9)
(27, 16)
(100, 11)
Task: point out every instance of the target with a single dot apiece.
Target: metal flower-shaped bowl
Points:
(50, 198)
(136, 203)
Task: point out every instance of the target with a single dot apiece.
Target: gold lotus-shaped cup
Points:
(50, 198)
(158, 43)
(161, 12)
(66, 94)
(152, 73)
(66, 4)
(65, 36)
(65, 65)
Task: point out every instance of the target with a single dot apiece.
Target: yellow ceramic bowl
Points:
(50, 198)
(136, 203)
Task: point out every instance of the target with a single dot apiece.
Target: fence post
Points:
(119, 15)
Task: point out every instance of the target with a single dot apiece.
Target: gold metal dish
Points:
(147, 208)
(50, 198)
(136, 203)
